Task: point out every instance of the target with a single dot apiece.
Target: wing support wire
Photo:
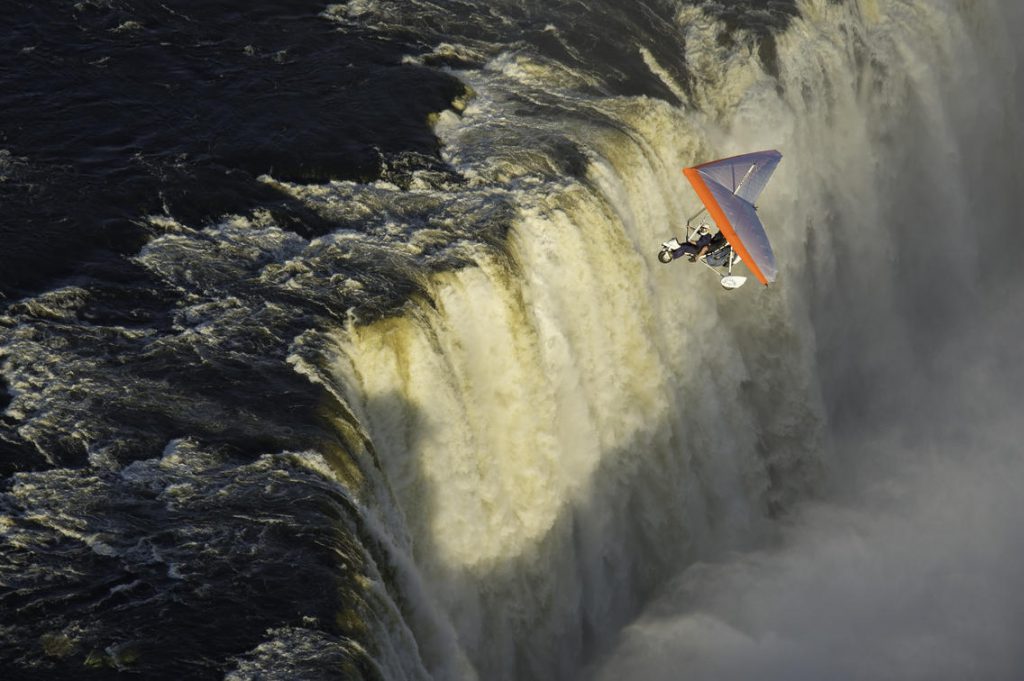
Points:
(690, 229)
(751, 169)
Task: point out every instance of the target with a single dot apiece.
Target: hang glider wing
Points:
(728, 188)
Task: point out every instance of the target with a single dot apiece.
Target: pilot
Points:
(696, 249)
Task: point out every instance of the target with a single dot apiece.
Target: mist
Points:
(914, 571)
(911, 564)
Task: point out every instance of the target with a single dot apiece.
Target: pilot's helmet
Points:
(703, 229)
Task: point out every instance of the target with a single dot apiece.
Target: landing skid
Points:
(732, 281)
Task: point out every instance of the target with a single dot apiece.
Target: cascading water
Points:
(560, 437)
(911, 570)
(464, 425)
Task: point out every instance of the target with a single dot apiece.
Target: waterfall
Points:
(567, 423)
(364, 365)
(901, 163)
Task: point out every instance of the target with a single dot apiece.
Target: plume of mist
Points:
(912, 567)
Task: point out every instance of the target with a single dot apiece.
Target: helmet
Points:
(703, 229)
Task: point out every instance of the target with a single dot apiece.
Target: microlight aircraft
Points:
(728, 189)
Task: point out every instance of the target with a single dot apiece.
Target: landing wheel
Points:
(665, 256)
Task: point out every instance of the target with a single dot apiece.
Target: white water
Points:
(567, 426)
